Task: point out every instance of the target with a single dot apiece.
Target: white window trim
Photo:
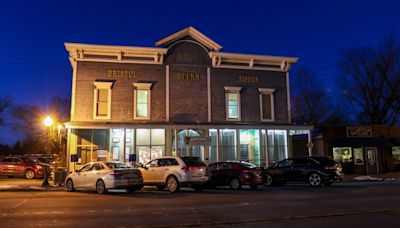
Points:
(232, 89)
(142, 86)
(267, 91)
(97, 86)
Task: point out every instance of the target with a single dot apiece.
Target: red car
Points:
(235, 174)
(20, 166)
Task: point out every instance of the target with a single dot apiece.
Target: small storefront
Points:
(363, 149)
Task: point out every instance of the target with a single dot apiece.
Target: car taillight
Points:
(117, 174)
(191, 168)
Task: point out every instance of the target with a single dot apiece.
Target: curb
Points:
(30, 188)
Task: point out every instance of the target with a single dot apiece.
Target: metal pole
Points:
(45, 181)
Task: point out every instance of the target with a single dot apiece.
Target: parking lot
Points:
(347, 203)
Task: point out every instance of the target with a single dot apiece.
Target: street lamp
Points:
(48, 122)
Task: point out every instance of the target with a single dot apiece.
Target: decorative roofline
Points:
(195, 34)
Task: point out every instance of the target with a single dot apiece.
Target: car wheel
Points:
(100, 187)
(268, 180)
(70, 186)
(314, 179)
(29, 174)
(172, 184)
(235, 184)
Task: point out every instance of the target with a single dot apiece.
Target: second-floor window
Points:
(102, 100)
(142, 101)
(232, 100)
(267, 104)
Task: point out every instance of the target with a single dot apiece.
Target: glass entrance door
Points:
(372, 163)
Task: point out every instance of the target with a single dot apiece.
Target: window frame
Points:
(137, 87)
(235, 90)
(267, 91)
(97, 86)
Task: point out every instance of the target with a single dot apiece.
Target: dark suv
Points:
(235, 174)
(312, 170)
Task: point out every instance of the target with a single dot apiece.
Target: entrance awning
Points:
(361, 142)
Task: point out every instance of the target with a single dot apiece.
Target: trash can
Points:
(59, 176)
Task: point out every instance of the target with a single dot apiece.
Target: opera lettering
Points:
(188, 76)
(122, 74)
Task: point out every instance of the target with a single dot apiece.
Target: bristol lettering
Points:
(122, 74)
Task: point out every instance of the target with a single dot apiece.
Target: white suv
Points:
(175, 172)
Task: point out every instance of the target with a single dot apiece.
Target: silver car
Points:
(101, 176)
(174, 172)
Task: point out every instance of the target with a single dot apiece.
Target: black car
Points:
(312, 170)
(235, 174)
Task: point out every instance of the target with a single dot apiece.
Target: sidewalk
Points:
(389, 176)
(20, 184)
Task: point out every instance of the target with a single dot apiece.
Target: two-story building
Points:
(182, 97)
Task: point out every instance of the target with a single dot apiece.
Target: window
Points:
(358, 156)
(102, 100)
(396, 153)
(142, 100)
(232, 100)
(267, 104)
(342, 154)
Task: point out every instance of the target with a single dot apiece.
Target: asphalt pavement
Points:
(368, 204)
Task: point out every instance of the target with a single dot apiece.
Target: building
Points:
(182, 97)
(360, 149)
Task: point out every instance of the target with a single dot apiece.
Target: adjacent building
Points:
(182, 97)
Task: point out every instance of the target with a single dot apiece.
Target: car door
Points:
(225, 173)
(5, 165)
(91, 176)
(149, 172)
(300, 169)
(282, 170)
(18, 166)
(80, 177)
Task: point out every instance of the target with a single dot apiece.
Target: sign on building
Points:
(359, 132)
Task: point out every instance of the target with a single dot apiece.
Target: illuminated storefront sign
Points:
(187, 76)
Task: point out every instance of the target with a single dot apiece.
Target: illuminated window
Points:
(102, 100)
(142, 100)
(232, 100)
(267, 104)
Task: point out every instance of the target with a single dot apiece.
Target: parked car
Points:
(313, 170)
(102, 176)
(175, 172)
(235, 174)
(20, 166)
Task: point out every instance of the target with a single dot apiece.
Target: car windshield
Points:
(193, 161)
(117, 165)
(248, 165)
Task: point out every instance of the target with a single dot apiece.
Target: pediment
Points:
(194, 34)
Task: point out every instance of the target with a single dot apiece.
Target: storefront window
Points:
(277, 145)
(213, 148)
(396, 152)
(150, 144)
(342, 154)
(228, 144)
(92, 145)
(358, 156)
(187, 150)
(250, 146)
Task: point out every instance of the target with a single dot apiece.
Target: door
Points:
(6, 166)
(92, 176)
(80, 178)
(149, 172)
(18, 166)
(372, 160)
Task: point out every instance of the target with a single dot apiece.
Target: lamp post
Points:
(48, 122)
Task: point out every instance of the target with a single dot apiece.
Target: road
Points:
(344, 204)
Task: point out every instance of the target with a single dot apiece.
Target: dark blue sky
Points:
(34, 64)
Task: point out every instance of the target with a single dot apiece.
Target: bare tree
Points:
(311, 103)
(5, 104)
(370, 81)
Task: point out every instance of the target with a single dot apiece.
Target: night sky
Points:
(34, 64)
